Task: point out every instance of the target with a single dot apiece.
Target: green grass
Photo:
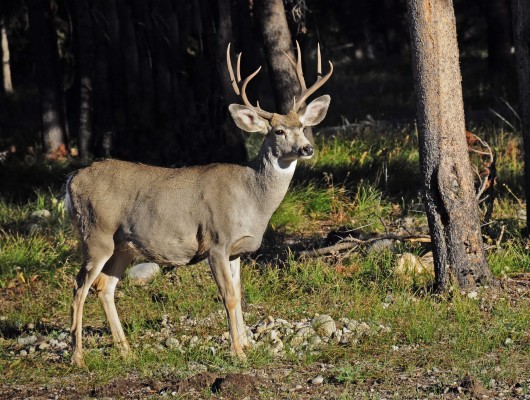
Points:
(39, 258)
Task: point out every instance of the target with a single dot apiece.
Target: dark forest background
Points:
(146, 80)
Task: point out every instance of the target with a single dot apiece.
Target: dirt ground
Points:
(282, 382)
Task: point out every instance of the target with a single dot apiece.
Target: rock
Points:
(143, 273)
(43, 346)
(62, 336)
(317, 380)
(324, 325)
(23, 353)
(277, 346)
(172, 343)
(315, 340)
(409, 267)
(25, 341)
(302, 334)
(380, 246)
(40, 214)
(472, 295)
(352, 325)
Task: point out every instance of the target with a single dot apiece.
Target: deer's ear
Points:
(247, 119)
(316, 111)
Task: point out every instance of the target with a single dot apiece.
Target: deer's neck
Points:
(273, 176)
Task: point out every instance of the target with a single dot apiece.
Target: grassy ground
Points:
(418, 345)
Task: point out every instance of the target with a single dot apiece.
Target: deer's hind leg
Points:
(105, 285)
(98, 250)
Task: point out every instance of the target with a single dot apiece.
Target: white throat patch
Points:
(286, 167)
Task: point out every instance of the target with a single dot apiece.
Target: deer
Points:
(182, 216)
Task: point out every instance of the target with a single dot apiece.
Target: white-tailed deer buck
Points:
(184, 215)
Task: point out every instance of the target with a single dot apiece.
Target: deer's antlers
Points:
(235, 79)
(235, 84)
(299, 73)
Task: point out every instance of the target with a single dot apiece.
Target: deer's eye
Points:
(280, 132)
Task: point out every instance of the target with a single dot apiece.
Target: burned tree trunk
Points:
(452, 209)
(521, 27)
(45, 55)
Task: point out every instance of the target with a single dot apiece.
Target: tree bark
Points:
(277, 41)
(452, 209)
(233, 138)
(6, 66)
(45, 55)
(521, 26)
(144, 41)
(84, 37)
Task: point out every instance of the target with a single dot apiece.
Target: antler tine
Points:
(259, 111)
(318, 83)
(319, 62)
(238, 67)
(231, 70)
(299, 71)
(235, 83)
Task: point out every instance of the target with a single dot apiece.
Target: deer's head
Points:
(285, 133)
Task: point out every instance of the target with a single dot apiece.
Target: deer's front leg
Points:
(220, 266)
(235, 268)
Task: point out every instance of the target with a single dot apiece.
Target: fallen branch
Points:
(351, 243)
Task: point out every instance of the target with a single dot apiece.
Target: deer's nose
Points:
(307, 150)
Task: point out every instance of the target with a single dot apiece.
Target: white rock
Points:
(315, 340)
(324, 325)
(23, 353)
(41, 214)
(24, 341)
(317, 380)
(410, 266)
(143, 273)
(43, 346)
(172, 343)
(472, 295)
(302, 334)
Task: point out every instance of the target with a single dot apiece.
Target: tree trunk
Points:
(232, 135)
(144, 41)
(161, 65)
(6, 66)
(127, 138)
(452, 209)
(521, 27)
(277, 41)
(44, 48)
(84, 35)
